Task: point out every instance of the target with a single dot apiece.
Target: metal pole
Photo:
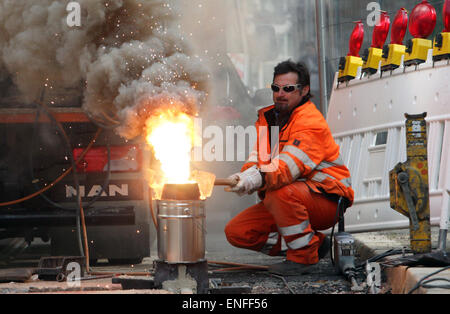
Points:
(320, 17)
(243, 33)
(443, 228)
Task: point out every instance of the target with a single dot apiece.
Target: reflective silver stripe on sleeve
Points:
(328, 164)
(295, 229)
(347, 182)
(300, 242)
(283, 245)
(270, 243)
(293, 168)
(324, 165)
(320, 176)
(301, 155)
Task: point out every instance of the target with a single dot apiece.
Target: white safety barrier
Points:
(367, 120)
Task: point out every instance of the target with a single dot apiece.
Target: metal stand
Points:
(182, 278)
(443, 228)
(442, 242)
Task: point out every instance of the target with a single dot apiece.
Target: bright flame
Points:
(171, 135)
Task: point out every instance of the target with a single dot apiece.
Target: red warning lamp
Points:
(446, 14)
(422, 20)
(399, 27)
(441, 46)
(356, 39)
(381, 30)
(349, 65)
(421, 24)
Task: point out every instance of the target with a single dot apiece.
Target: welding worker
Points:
(299, 178)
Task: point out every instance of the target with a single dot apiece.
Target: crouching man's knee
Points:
(231, 234)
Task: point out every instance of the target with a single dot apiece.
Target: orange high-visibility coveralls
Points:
(304, 175)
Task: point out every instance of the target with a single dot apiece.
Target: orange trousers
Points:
(287, 219)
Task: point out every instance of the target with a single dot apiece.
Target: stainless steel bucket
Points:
(181, 231)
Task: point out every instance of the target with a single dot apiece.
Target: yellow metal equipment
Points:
(348, 68)
(441, 47)
(392, 57)
(408, 184)
(372, 60)
(417, 51)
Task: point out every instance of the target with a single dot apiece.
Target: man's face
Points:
(285, 102)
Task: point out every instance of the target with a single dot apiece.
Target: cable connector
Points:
(350, 275)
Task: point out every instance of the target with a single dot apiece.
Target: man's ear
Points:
(305, 91)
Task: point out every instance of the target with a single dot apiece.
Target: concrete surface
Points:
(403, 279)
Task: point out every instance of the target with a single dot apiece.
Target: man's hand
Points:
(249, 181)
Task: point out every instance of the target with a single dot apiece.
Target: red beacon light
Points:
(422, 20)
(446, 15)
(348, 66)
(381, 31)
(373, 55)
(421, 24)
(399, 27)
(356, 39)
(441, 46)
(394, 52)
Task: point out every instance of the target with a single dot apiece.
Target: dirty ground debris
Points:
(321, 280)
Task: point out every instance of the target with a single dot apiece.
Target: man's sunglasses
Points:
(287, 88)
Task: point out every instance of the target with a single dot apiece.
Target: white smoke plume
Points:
(127, 58)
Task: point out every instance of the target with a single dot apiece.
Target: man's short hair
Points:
(299, 68)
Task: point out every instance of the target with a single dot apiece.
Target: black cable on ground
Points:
(332, 231)
(383, 255)
(421, 281)
(284, 281)
(425, 283)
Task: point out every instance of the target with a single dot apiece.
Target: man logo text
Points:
(112, 190)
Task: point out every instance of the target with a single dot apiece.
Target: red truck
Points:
(109, 177)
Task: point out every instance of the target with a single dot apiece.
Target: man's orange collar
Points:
(265, 109)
